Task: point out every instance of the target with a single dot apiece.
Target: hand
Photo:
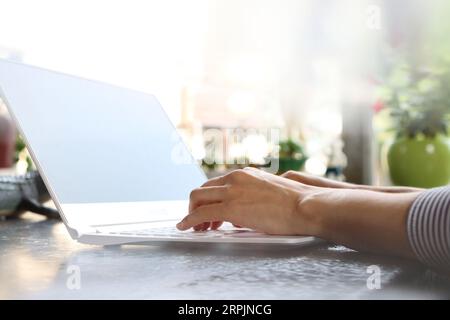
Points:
(249, 198)
(360, 219)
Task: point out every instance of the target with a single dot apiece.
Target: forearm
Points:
(360, 219)
(388, 189)
(312, 180)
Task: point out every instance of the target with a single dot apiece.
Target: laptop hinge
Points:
(79, 231)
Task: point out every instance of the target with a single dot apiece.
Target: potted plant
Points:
(21, 157)
(418, 102)
(291, 156)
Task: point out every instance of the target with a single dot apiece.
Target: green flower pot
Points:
(286, 164)
(420, 162)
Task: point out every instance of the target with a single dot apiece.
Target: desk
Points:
(36, 255)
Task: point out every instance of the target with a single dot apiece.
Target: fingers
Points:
(217, 181)
(206, 195)
(214, 191)
(293, 175)
(216, 225)
(202, 226)
(233, 176)
(306, 179)
(206, 225)
(206, 213)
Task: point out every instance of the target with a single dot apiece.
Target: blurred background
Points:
(357, 90)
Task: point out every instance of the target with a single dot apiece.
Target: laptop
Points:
(115, 166)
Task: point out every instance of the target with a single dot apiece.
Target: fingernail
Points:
(180, 225)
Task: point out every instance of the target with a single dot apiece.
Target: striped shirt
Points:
(428, 227)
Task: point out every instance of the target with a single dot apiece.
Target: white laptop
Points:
(113, 162)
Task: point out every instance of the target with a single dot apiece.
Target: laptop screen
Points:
(95, 142)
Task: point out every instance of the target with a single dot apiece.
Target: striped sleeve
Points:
(428, 227)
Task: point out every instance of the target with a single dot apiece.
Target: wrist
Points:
(310, 218)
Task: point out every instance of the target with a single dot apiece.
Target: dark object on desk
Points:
(7, 138)
(24, 193)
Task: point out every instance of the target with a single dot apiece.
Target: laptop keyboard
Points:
(226, 233)
(170, 232)
(166, 230)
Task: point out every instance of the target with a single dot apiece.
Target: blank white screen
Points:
(96, 142)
